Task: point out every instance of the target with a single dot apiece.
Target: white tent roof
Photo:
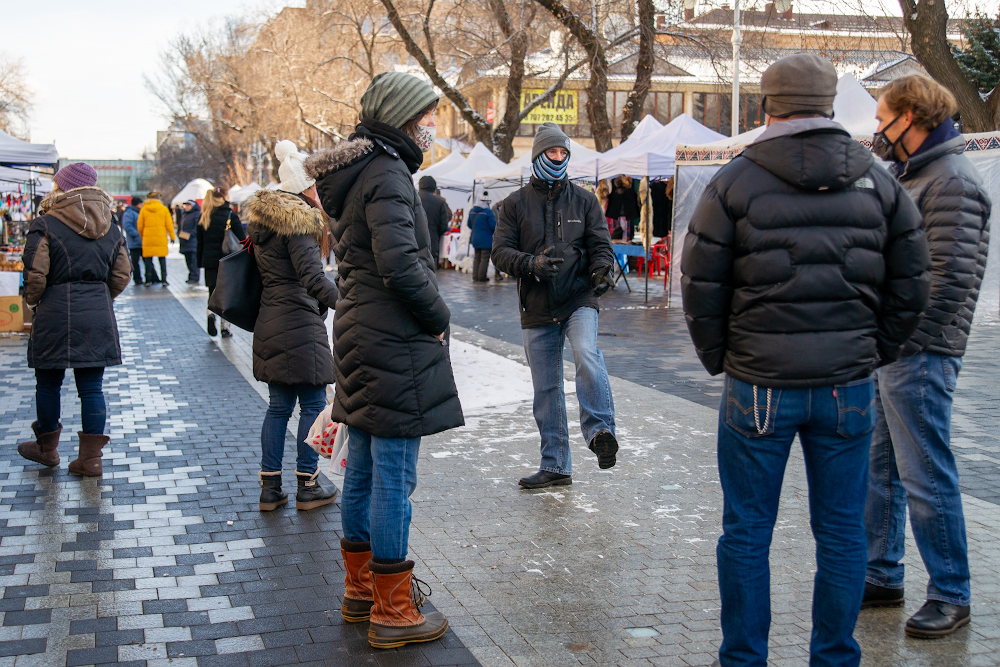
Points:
(646, 128)
(196, 190)
(653, 154)
(443, 166)
(480, 159)
(239, 194)
(22, 153)
(521, 167)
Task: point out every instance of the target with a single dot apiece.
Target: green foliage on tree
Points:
(980, 60)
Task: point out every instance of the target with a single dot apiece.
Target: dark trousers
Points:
(89, 387)
(194, 273)
(480, 264)
(135, 254)
(151, 276)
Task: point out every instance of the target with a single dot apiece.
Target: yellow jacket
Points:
(154, 224)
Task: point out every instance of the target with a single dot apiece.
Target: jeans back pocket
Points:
(856, 414)
(740, 413)
(952, 365)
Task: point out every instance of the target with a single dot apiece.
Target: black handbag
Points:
(237, 293)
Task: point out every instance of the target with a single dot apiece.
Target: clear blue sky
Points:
(85, 64)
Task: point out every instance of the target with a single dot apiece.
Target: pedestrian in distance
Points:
(438, 215)
(483, 223)
(130, 220)
(216, 217)
(155, 225)
(291, 346)
(797, 301)
(75, 264)
(552, 237)
(394, 377)
(187, 232)
(911, 462)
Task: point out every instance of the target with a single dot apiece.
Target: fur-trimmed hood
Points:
(284, 214)
(343, 154)
(87, 211)
(337, 169)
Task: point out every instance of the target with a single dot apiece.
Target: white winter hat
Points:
(291, 172)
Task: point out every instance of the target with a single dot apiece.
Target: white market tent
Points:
(239, 194)
(458, 185)
(452, 161)
(196, 190)
(696, 164)
(17, 153)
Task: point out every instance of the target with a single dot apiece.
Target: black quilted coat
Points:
(394, 377)
(956, 209)
(805, 264)
(290, 341)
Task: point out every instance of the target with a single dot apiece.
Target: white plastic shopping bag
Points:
(323, 433)
(338, 462)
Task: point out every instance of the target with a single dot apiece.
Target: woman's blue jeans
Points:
(312, 400)
(375, 504)
(912, 465)
(89, 387)
(834, 425)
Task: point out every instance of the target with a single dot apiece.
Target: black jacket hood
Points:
(821, 159)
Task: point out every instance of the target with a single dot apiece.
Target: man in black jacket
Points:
(911, 462)
(804, 268)
(438, 215)
(553, 238)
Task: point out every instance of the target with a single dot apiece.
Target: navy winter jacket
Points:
(483, 223)
(130, 219)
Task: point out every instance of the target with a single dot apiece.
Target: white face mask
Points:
(425, 137)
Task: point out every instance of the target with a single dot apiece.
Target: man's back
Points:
(805, 264)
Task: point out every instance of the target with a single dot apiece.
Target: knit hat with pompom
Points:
(291, 172)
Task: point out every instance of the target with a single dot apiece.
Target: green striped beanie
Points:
(394, 98)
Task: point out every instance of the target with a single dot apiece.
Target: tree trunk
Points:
(927, 23)
(503, 135)
(597, 88)
(632, 113)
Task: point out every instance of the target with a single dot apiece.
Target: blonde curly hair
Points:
(930, 102)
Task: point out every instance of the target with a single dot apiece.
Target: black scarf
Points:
(395, 142)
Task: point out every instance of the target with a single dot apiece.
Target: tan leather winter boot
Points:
(357, 606)
(395, 619)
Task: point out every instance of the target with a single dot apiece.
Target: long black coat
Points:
(438, 214)
(394, 377)
(189, 224)
(805, 264)
(75, 264)
(956, 209)
(290, 340)
(210, 240)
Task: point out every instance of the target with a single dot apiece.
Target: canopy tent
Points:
(17, 153)
(239, 194)
(458, 185)
(696, 165)
(452, 161)
(196, 190)
(653, 153)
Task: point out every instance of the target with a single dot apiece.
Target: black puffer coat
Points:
(210, 240)
(805, 263)
(437, 211)
(956, 209)
(568, 218)
(75, 264)
(394, 377)
(290, 340)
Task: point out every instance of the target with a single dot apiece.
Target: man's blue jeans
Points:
(912, 464)
(375, 504)
(834, 425)
(312, 400)
(544, 349)
(89, 387)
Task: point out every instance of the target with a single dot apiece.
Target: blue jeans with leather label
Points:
(312, 400)
(375, 504)
(544, 348)
(834, 425)
(912, 465)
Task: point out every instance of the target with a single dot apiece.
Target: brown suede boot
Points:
(357, 606)
(88, 463)
(395, 619)
(43, 449)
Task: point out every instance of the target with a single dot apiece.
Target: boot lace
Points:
(417, 590)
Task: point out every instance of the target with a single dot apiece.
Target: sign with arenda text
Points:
(561, 108)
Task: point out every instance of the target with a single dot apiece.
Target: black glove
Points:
(601, 280)
(544, 266)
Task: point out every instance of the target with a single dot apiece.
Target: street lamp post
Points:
(737, 40)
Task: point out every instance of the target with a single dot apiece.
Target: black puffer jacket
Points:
(75, 264)
(956, 209)
(537, 217)
(210, 240)
(394, 377)
(437, 211)
(805, 264)
(290, 341)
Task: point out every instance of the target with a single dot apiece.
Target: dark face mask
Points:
(885, 149)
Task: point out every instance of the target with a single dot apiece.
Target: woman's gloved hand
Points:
(544, 266)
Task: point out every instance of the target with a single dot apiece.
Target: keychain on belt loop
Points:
(756, 411)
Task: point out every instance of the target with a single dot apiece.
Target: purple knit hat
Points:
(76, 175)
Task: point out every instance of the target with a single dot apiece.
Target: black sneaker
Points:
(606, 448)
(226, 333)
(880, 596)
(164, 283)
(937, 619)
(212, 331)
(544, 478)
